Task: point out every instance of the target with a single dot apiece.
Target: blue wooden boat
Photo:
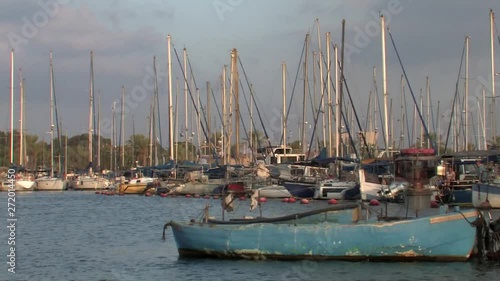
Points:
(342, 232)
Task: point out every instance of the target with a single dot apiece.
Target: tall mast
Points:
(224, 119)
(235, 84)
(304, 99)
(492, 41)
(51, 119)
(283, 116)
(170, 104)
(99, 129)
(112, 159)
(185, 105)
(66, 153)
(384, 86)
(321, 83)
(329, 91)
(209, 127)
(91, 105)
(428, 92)
(151, 109)
(466, 97)
(21, 117)
(12, 106)
(122, 129)
(337, 102)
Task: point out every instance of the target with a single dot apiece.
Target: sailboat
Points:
(51, 182)
(90, 181)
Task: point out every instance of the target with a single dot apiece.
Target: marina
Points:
(352, 141)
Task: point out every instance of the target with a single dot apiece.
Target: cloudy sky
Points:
(125, 35)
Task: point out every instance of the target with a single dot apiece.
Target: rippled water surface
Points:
(83, 236)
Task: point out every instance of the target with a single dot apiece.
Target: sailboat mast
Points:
(122, 130)
(493, 107)
(329, 91)
(91, 105)
(112, 158)
(51, 119)
(185, 105)
(235, 83)
(12, 106)
(170, 105)
(224, 120)
(283, 115)
(304, 99)
(151, 124)
(99, 129)
(428, 93)
(466, 97)
(384, 85)
(21, 117)
(209, 127)
(321, 83)
(337, 101)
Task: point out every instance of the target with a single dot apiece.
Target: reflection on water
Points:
(83, 236)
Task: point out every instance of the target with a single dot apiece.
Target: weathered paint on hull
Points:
(447, 237)
(483, 191)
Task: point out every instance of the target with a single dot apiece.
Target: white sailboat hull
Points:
(90, 184)
(20, 185)
(50, 184)
(273, 191)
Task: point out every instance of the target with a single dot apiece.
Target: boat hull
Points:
(50, 184)
(90, 184)
(483, 191)
(300, 189)
(19, 186)
(447, 237)
(332, 189)
(273, 191)
(135, 188)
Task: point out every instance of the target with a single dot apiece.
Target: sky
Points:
(126, 35)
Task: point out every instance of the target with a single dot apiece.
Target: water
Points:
(83, 236)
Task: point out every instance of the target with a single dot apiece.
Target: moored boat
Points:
(50, 184)
(338, 233)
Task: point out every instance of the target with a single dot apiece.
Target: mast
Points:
(492, 42)
(122, 130)
(341, 84)
(21, 117)
(185, 105)
(321, 83)
(224, 120)
(91, 105)
(151, 109)
(329, 92)
(209, 127)
(283, 115)
(428, 92)
(66, 153)
(51, 119)
(304, 99)
(384, 85)
(170, 104)
(12, 106)
(337, 100)
(466, 97)
(235, 92)
(99, 129)
(113, 139)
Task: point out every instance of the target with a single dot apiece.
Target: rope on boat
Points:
(165, 229)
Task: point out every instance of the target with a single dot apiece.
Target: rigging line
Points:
(196, 87)
(315, 125)
(377, 98)
(193, 101)
(433, 144)
(216, 105)
(408, 136)
(157, 101)
(244, 127)
(248, 108)
(294, 85)
(363, 137)
(454, 99)
(256, 107)
(56, 115)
